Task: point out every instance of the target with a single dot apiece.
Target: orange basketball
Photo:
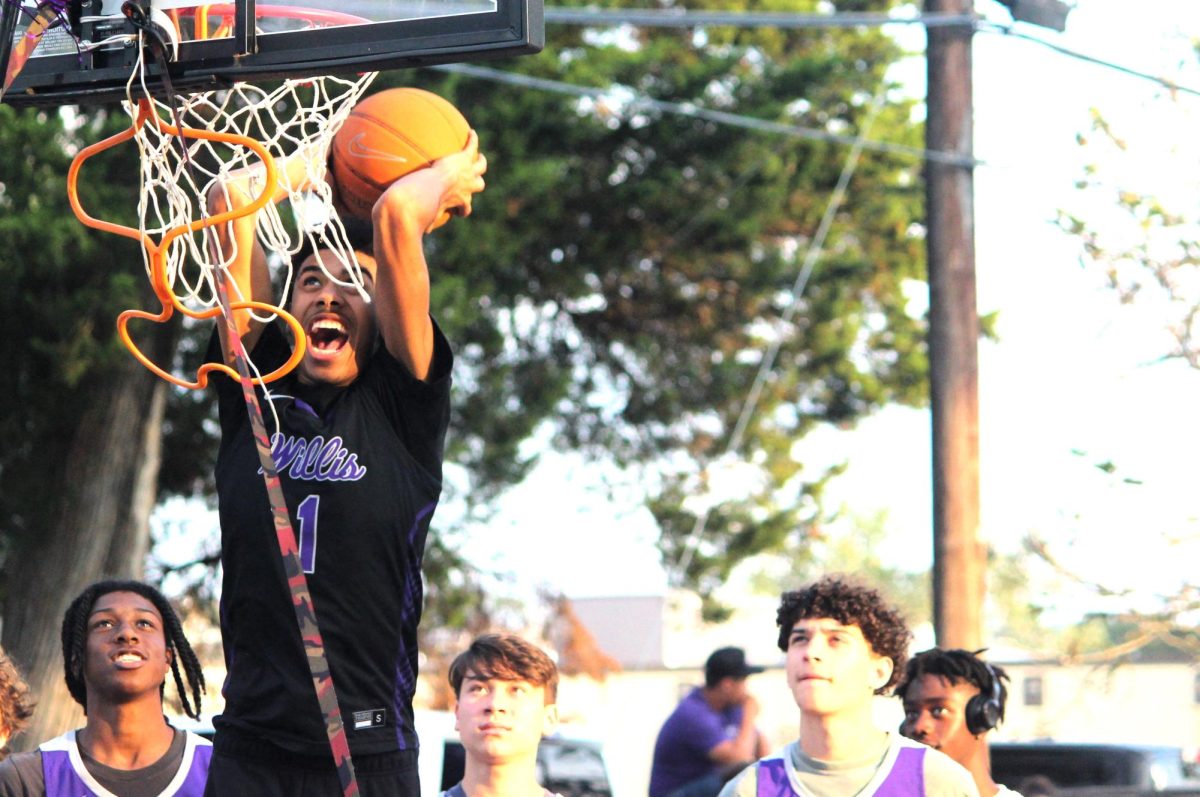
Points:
(388, 135)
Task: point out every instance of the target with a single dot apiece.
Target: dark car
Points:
(570, 767)
(566, 765)
(1040, 769)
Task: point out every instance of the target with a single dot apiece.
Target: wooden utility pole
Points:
(958, 556)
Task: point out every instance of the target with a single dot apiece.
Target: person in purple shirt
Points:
(121, 641)
(711, 734)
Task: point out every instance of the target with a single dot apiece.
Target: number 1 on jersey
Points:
(306, 513)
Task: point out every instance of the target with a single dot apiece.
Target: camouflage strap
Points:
(306, 615)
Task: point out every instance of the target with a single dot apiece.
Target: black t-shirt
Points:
(361, 472)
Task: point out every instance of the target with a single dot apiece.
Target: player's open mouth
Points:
(327, 336)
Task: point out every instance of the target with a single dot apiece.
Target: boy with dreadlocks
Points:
(952, 700)
(844, 646)
(119, 640)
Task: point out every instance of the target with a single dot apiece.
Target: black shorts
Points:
(258, 769)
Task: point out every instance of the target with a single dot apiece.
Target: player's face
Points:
(502, 721)
(127, 655)
(935, 713)
(831, 667)
(339, 324)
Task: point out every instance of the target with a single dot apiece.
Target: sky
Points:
(1071, 371)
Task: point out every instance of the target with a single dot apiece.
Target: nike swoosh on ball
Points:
(360, 150)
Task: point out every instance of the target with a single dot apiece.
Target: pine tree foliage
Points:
(627, 267)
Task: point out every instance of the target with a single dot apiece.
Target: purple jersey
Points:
(902, 774)
(66, 776)
(692, 730)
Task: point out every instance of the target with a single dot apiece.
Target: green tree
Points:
(849, 543)
(614, 292)
(627, 267)
(83, 436)
(1146, 249)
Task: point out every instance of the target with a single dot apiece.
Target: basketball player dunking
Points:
(359, 454)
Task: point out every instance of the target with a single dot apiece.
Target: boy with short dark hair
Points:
(357, 434)
(506, 690)
(844, 646)
(952, 700)
(711, 735)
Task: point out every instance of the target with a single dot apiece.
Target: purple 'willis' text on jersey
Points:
(314, 460)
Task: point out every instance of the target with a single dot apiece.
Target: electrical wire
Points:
(1007, 30)
(720, 117)
(753, 19)
(685, 18)
(815, 250)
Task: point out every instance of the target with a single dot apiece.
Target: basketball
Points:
(387, 136)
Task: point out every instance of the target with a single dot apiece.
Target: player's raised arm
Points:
(248, 276)
(412, 206)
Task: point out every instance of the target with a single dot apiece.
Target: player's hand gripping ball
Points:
(387, 136)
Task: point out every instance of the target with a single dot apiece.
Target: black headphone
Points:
(983, 712)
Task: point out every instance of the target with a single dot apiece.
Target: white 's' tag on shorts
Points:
(375, 718)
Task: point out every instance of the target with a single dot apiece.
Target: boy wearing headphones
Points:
(845, 645)
(952, 700)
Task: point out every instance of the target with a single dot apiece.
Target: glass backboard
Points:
(88, 56)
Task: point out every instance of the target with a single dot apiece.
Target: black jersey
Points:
(361, 471)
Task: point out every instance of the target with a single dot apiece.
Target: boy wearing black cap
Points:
(711, 733)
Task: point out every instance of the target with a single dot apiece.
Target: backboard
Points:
(289, 38)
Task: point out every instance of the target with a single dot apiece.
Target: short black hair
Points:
(360, 234)
(850, 603)
(74, 642)
(505, 657)
(956, 666)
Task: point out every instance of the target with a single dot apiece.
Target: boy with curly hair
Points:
(16, 704)
(844, 646)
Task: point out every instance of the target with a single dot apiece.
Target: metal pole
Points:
(958, 556)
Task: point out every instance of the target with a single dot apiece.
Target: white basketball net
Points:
(298, 116)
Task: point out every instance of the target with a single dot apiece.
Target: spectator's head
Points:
(119, 638)
(16, 704)
(843, 642)
(725, 675)
(952, 698)
(506, 689)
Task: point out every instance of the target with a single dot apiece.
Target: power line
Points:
(720, 117)
(767, 366)
(1006, 30)
(671, 18)
(684, 18)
